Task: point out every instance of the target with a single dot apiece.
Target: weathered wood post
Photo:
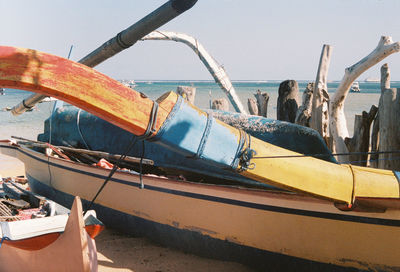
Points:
(220, 104)
(262, 103)
(385, 84)
(359, 143)
(389, 129)
(303, 114)
(187, 92)
(320, 110)
(287, 101)
(259, 106)
(252, 106)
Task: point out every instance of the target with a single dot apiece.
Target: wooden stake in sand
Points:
(319, 113)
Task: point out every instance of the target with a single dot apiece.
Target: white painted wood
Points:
(338, 126)
(217, 71)
(22, 229)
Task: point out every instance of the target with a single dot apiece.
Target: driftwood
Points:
(320, 112)
(385, 84)
(389, 129)
(258, 106)
(217, 71)
(338, 127)
(287, 101)
(262, 103)
(187, 92)
(220, 104)
(359, 143)
(304, 112)
(252, 105)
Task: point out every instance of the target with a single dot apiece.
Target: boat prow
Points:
(46, 246)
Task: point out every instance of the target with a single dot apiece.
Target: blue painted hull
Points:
(73, 127)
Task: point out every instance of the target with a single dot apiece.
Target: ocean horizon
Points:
(30, 124)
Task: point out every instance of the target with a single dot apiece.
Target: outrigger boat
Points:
(328, 213)
(37, 234)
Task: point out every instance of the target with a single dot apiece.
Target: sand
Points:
(120, 252)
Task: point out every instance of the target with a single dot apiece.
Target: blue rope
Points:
(2, 240)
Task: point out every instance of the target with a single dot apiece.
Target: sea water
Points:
(29, 124)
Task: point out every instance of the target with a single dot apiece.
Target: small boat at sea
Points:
(372, 80)
(355, 87)
(326, 215)
(38, 234)
(2, 91)
(130, 83)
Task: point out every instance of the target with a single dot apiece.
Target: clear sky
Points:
(253, 39)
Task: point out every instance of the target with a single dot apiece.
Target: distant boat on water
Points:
(2, 91)
(369, 79)
(128, 83)
(355, 87)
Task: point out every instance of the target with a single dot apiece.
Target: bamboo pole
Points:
(121, 41)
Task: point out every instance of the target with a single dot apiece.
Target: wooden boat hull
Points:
(257, 227)
(182, 127)
(71, 250)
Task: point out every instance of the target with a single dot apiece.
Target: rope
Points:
(151, 127)
(141, 167)
(146, 135)
(328, 155)
(113, 170)
(5, 211)
(79, 129)
(3, 239)
(383, 159)
(247, 155)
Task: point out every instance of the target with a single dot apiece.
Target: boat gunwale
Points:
(187, 189)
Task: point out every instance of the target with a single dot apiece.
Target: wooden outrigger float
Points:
(305, 225)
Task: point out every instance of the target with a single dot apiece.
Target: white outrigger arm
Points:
(217, 71)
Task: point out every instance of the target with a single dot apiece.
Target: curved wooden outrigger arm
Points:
(177, 126)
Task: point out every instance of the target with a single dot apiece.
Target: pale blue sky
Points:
(253, 39)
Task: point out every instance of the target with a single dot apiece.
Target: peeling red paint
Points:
(79, 85)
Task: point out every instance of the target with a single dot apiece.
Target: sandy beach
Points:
(120, 252)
